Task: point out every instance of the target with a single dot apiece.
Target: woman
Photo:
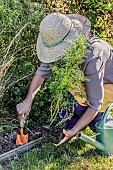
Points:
(57, 32)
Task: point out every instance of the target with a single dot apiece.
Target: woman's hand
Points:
(68, 134)
(23, 108)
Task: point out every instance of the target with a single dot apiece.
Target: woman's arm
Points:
(36, 83)
(87, 117)
(24, 107)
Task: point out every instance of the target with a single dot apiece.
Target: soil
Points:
(9, 128)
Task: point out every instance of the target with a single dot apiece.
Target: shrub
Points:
(100, 13)
(19, 32)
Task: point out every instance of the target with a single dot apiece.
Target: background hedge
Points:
(20, 21)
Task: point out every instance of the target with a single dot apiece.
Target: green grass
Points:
(72, 155)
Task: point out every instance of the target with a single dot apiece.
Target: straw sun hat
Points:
(57, 31)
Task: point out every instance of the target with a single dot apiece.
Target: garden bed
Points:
(9, 128)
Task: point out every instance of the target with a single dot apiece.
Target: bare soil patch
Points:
(9, 128)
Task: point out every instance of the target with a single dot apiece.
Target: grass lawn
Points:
(72, 155)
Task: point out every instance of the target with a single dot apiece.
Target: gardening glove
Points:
(23, 110)
(67, 135)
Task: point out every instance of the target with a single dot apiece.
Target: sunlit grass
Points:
(72, 155)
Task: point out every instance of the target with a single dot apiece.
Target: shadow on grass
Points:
(92, 153)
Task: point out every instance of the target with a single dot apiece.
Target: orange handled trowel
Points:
(21, 139)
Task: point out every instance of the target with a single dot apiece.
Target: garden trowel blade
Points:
(21, 139)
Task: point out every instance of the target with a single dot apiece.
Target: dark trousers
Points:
(77, 111)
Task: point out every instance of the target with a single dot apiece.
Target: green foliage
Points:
(67, 74)
(99, 13)
(18, 60)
